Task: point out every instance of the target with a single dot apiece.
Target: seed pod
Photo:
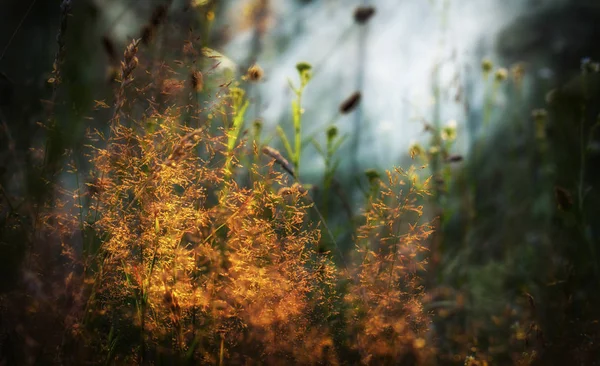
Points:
(454, 158)
(255, 73)
(362, 14)
(350, 103)
(279, 159)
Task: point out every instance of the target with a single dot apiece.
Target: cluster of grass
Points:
(181, 240)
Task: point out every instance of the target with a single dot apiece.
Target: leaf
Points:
(318, 147)
(238, 122)
(286, 142)
(338, 143)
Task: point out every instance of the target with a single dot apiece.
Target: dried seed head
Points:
(279, 159)
(362, 14)
(350, 103)
(255, 73)
(454, 158)
(171, 86)
(188, 48)
(197, 80)
(130, 61)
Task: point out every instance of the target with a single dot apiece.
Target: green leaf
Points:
(318, 147)
(286, 142)
(238, 122)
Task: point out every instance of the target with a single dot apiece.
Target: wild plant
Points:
(163, 253)
(304, 71)
(389, 320)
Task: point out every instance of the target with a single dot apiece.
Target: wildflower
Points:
(449, 131)
(255, 73)
(350, 103)
(486, 65)
(501, 74)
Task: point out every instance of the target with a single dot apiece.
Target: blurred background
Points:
(498, 98)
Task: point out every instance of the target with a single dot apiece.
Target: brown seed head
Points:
(362, 14)
(454, 158)
(350, 103)
(255, 73)
(279, 159)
